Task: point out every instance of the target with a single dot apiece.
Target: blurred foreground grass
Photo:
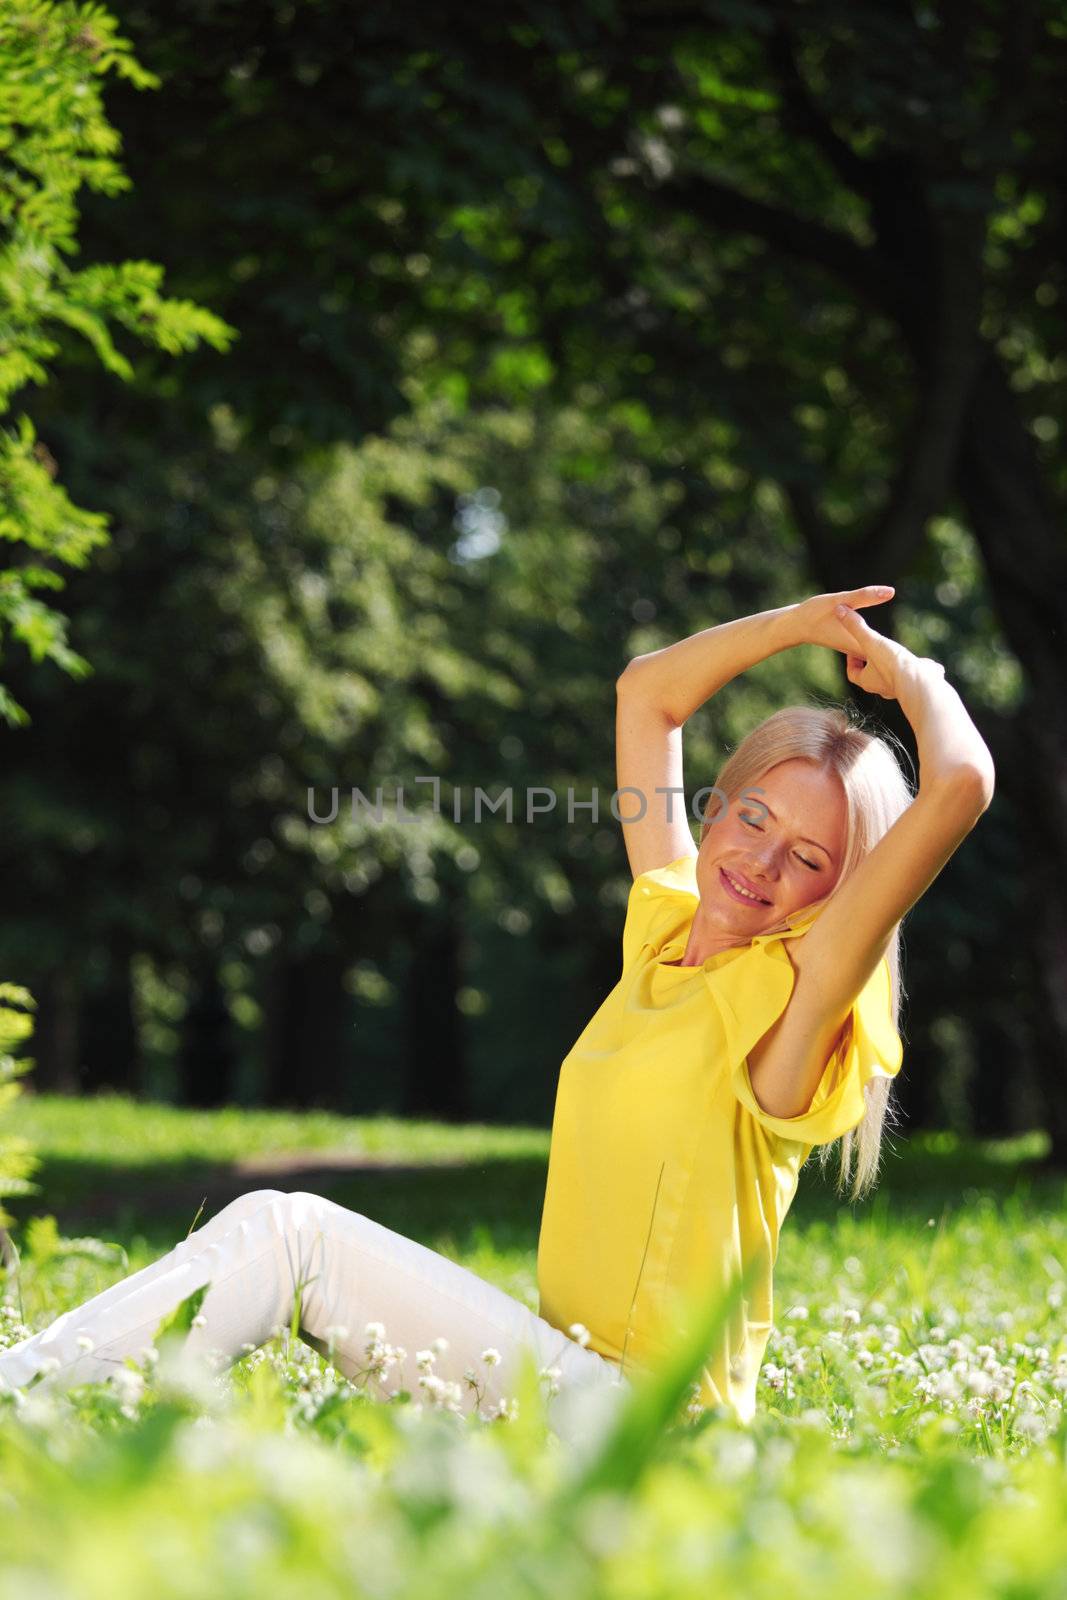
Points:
(910, 1438)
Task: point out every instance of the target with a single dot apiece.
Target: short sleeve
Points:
(753, 991)
(658, 903)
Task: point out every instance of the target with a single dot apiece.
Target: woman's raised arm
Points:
(837, 956)
(656, 693)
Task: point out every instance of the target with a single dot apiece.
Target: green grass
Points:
(910, 1440)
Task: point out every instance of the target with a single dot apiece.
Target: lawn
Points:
(910, 1438)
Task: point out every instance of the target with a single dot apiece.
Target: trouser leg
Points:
(114, 1316)
(352, 1270)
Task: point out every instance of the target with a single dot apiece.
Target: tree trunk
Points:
(1026, 558)
(55, 1042)
(110, 1054)
(996, 1058)
(436, 1084)
(307, 1052)
(207, 1057)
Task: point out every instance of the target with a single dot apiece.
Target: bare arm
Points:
(948, 742)
(678, 679)
(838, 955)
(656, 693)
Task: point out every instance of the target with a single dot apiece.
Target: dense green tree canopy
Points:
(699, 308)
(55, 140)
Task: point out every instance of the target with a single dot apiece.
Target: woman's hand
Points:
(873, 661)
(815, 621)
(834, 621)
(880, 665)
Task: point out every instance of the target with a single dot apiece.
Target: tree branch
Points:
(720, 207)
(807, 116)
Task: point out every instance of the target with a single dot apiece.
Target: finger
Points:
(852, 619)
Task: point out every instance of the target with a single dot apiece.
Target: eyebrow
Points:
(815, 842)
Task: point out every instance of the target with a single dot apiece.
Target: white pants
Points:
(255, 1253)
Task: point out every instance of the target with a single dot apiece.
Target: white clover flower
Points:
(84, 1342)
(130, 1384)
(374, 1331)
(504, 1411)
(199, 1321)
(797, 1313)
(491, 1357)
(580, 1332)
(335, 1332)
(424, 1359)
(943, 1386)
(440, 1344)
(1031, 1425)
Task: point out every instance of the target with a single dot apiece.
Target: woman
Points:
(754, 1019)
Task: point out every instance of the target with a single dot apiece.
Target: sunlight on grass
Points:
(120, 1131)
(910, 1439)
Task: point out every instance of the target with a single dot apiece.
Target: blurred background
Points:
(558, 333)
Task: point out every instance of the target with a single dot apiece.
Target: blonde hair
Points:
(877, 793)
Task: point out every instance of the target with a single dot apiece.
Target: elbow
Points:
(983, 780)
(973, 785)
(628, 672)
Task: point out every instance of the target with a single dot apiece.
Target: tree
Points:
(55, 140)
(808, 249)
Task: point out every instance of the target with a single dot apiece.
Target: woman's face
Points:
(789, 854)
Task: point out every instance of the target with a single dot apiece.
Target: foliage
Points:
(910, 1440)
(593, 280)
(55, 140)
(17, 1163)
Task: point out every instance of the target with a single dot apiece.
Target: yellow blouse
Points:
(664, 1171)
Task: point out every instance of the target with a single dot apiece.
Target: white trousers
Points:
(257, 1251)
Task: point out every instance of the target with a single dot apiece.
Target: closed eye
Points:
(814, 867)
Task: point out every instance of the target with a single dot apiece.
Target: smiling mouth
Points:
(739, 888)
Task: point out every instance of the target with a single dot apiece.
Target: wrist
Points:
(785, 628)
(914, 679)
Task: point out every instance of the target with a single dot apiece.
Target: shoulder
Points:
(678, 879)
(659, 902)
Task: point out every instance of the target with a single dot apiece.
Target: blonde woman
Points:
(754, 1020)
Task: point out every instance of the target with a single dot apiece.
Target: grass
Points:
(910, 1439)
